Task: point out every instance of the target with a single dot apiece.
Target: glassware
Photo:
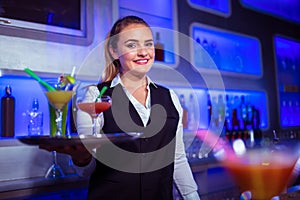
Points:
(93, 105)
(264, 170)
(54, 170)
(58, 99)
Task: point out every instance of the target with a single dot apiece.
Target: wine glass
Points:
(93, 105)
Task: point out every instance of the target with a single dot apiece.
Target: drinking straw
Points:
(101, 93)
(70, 78)
(36, 77)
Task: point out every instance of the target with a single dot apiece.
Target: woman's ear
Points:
(113, 52)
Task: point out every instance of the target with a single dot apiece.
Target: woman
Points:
(148, 164)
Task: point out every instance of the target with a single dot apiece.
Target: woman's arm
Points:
(183, 176)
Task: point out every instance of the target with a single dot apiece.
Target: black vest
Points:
(145, 170)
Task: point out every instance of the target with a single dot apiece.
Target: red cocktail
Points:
(94, 108)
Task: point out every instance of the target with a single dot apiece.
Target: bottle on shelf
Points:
(35, 119)
(235, 124)
(215, 113)
(215, 54)
(221, 110)
(206, 60)
(184, 111)
(205, 45)
(8, 113)
(228, 113)
(193, 110)
(209, 110)
(238, 59)
(159, 48)
(243, 112)
(249, 123)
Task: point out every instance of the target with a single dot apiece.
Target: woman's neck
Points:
(132, 83)
(136, 86)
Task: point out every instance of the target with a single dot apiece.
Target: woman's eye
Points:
(149, 44)
(131, 45)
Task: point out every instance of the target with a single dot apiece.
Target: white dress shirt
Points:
(182, 173)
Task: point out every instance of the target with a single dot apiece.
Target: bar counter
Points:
(23, 168)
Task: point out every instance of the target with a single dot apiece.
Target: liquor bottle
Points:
(249, 116)
(206, 59)
(255, 118)
(228, 115)
(209, 110)
(35, 121)
(159, 49)
(235, 120)
(184, 112)
(243, 112)
(237, 59)
(205, 45)
(215, 54)
(221, 110)
(192, 108)
(8, 113)
(215, 113)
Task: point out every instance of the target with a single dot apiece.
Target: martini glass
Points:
(91, 101)
(58, 99)
(94, 108)
(265, 169)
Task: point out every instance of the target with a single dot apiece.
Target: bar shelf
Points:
(287, 59)
(217, 7)
(232, 53)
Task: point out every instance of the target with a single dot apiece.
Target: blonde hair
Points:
(113, 66)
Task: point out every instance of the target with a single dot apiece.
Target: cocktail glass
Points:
(54, 170)
(264, 171)
(93, 106)
(58, 99)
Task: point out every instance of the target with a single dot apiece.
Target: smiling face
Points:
(134, 49)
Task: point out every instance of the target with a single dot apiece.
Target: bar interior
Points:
(234, 65)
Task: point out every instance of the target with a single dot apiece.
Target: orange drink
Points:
(265, 173)
(59, 98)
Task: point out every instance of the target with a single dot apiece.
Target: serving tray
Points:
(76, 140)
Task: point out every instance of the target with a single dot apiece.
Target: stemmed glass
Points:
(263, 170)
(93, 106)
(58, 98)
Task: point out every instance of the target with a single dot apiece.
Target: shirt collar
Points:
(117, 80)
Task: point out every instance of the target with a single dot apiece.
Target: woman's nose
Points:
(142, 51)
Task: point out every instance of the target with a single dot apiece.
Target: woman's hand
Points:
(79, 153)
